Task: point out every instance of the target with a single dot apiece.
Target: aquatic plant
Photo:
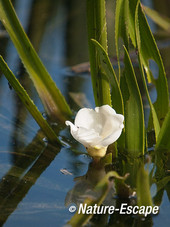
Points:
(96, 129)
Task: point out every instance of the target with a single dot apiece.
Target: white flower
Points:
(97, 129)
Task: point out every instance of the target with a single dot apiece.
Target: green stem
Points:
(96, 25)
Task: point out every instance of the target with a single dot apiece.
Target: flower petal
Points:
(87, 137)
(108, 115)
(112, 130)
(89, 119)
(105, 109)
(111, 138)
(72, 126)
(112, 124)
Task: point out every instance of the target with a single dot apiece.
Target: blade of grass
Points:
(96, 26)
(50, 95)
(28, 102)
(134, 115)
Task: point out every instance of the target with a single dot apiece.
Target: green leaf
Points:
(50, 95)
(96, 28)
(162, 183)
(141, 64)
(161, 20)
(134, 116)
(147, 50)
(28, 102)
(117, 100)
(121, 26)
(163, 141)
(116, 95)
(131, 166)
(153, 112)
(131, 16)
(143, 188)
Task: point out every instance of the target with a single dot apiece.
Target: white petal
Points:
(74, 132)
(120, 117)
(87, 137)
(105, 109)
(112, 129)
(72, 126)
(112, 124)
(89, 119)
(85, 118)
(114, 135)
(73, 129)
(108, 115)
(111, 138)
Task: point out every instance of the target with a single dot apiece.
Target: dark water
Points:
(36, 176)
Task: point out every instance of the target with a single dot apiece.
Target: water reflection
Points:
(84, 186)
(84, 190)
(29, 165)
